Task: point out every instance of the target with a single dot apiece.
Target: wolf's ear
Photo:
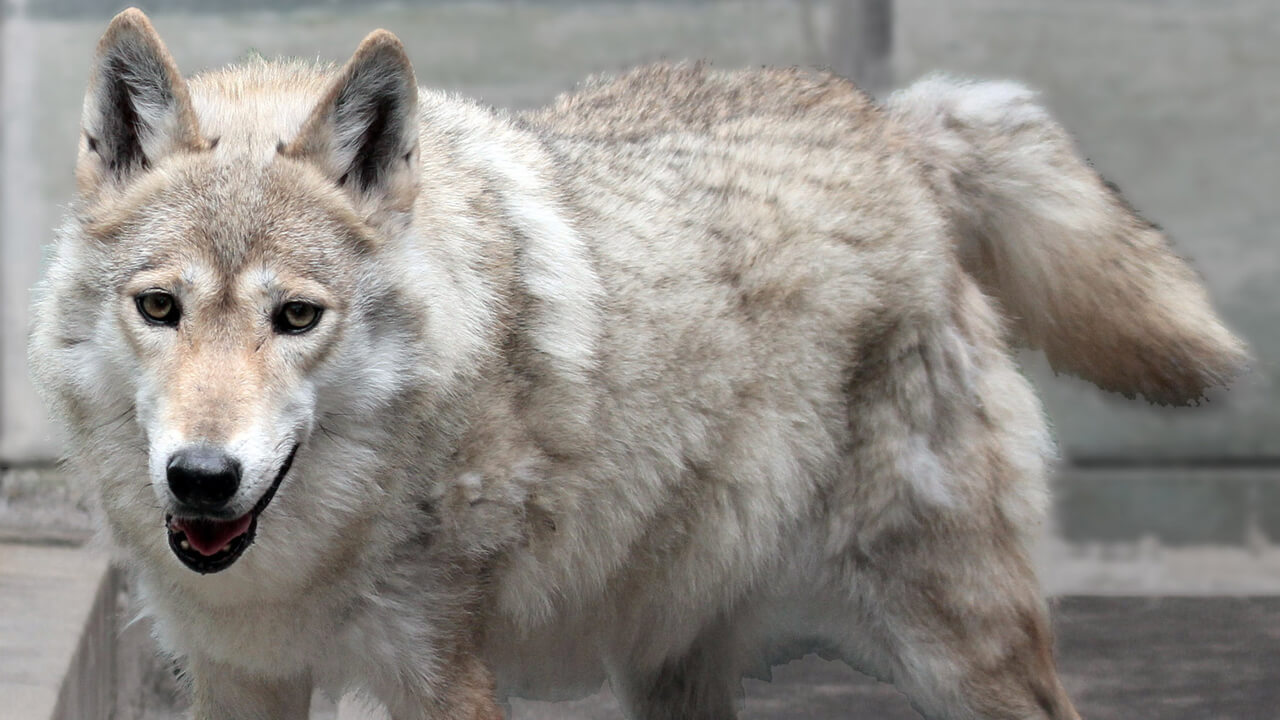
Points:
(364, 132)
(136, 109)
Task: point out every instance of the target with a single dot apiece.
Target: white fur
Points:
(647, 391)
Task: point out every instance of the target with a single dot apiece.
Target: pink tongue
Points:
(209, 537)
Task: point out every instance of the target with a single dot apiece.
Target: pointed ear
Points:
(136, 109)
(363, 134)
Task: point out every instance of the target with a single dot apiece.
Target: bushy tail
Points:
(1077, 271)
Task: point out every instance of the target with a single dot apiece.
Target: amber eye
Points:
(297, 317)
(158, 307)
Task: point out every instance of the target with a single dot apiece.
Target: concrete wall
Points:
(1175, 100)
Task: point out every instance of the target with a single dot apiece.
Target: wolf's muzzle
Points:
(207, 542)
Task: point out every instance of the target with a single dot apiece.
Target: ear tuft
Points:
(136, 108)
(363, 133)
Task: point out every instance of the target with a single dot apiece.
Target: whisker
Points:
(119, 419)
(328, 433)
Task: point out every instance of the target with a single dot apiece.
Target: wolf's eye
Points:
(158, 307)
(297, 317)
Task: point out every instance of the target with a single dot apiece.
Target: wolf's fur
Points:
(683, 370)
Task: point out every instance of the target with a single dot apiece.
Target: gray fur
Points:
(687, 368)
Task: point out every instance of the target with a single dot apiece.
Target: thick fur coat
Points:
(385, 391)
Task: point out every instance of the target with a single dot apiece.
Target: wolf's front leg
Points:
(221, 692)
(465, 692)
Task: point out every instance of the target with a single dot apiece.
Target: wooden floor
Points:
(1185, 658)
(1201, 658)
(1121, 659)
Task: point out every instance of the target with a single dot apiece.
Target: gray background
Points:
(1177, 101)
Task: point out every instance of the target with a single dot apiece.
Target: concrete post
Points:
(862, 43)
(24, 433)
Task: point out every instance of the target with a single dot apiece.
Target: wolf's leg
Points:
(957, 624)
(702, 684)
(467, 693)
(929, 535)
(220, 692)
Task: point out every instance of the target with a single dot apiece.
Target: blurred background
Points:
(1176, 101)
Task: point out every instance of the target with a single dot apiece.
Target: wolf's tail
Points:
(1077, 271)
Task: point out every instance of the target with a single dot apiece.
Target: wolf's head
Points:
(232, 285)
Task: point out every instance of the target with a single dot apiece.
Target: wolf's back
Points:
(1077, 271)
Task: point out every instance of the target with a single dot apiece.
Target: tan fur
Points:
(127, 44)
(655, 385)
(1084, 277)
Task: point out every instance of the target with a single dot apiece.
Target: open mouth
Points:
(210, 545)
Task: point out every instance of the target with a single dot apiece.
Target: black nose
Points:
(203, 477)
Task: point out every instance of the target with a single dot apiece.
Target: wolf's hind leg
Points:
(957, 624)
(701, 684)
(929, 535)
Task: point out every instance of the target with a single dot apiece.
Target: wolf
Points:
(387, 392)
